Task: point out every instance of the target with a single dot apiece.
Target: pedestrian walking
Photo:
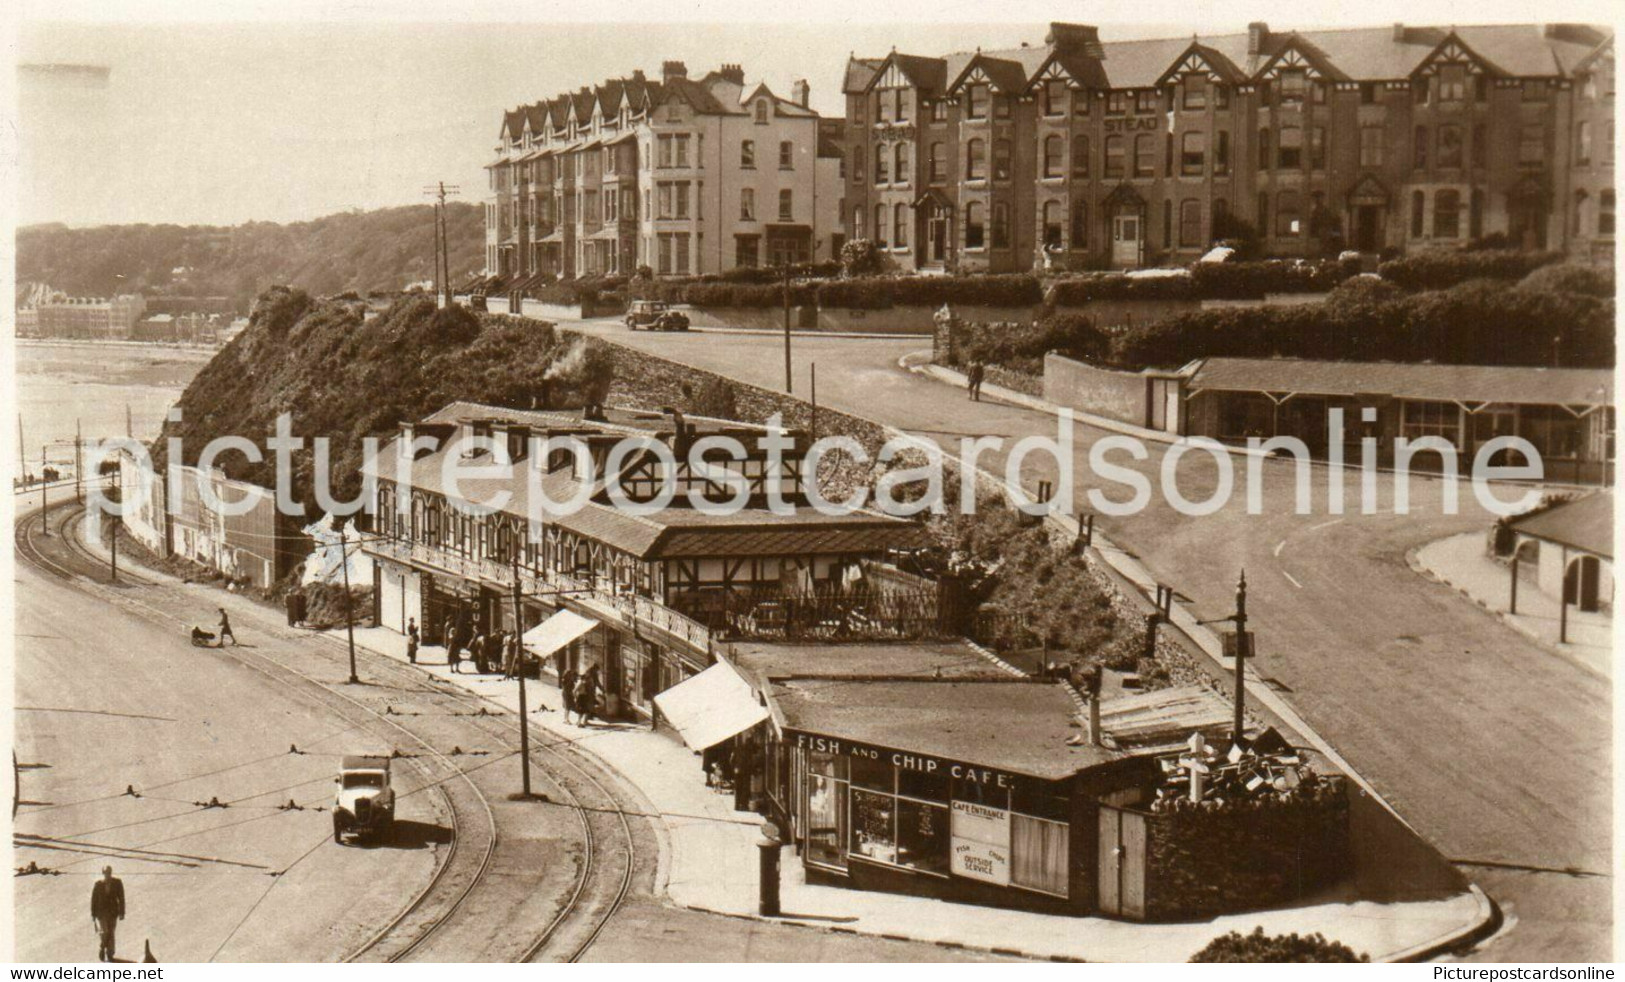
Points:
(449, 631)
(567, 689)
(292, 604)
(974, 377)
(225, 629)
(586, 697)
(480, 649)
(412, 640)
(510, 657)
(106, 910)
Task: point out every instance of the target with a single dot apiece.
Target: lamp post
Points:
(1242, 644)
(349, 615)
(519, 657)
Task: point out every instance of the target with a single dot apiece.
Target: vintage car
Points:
(655, 315)
(365, 802)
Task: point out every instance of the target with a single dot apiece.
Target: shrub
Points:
(1261, 947)
(1441, 269)
(1208, 281)
(1590, 281)
(1021, 347)
(861, 257)
(1005, 290)
(1117, 286)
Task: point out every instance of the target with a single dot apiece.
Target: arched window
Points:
(938, 163)
(1190, 223)
(857, 164)
(1114, 157)
(1145, 155)
(1054, 156)
(1080, 225)
(1418, 205)
(882, 165)
(901, 170)
(747, 154)
(1446, 214)
(1287, 220)
(1001, 226)
(1080, 156)
(900, 225)
(1054, 233)
(1001, 160)
(975, 160)
(857, 222)
(974, 230)
(880, 226)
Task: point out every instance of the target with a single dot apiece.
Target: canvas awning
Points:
(556, 632)
(711, 707)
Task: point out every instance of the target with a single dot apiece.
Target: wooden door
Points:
(1126, 240)
(1122, 863)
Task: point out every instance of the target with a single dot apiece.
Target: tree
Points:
(1261, 947)
(860, 257)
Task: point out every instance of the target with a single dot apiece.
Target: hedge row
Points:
(1484, 322)
(1441, 269)
(1018, 290)
(1208, 281)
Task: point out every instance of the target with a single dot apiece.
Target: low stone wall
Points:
(1102, 391)
(751, 318)
(1246, 855)
(914, 318)
(542, 310)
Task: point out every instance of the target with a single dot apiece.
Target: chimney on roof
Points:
(638, 76)
(1399, 32)
(1084, 38)
(800, 92)
(733, 73)
(1258, 34)
(672, 69)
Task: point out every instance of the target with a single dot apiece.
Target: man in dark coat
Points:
(106, 910)
(225, 629)
(567, 689)
(412, 640)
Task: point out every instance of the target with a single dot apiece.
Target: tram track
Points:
(463, 890)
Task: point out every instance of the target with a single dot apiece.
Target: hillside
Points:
(363, 250)
(346, 378)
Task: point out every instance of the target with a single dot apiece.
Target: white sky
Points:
(270, 118)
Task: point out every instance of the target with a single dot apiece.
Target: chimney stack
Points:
(1258, 34)
(733, 73)
(1075, 37)
(672, 69)
(800, 92)
(1399, 32)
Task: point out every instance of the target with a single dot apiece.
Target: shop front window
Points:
(826, 810)
(888, 827)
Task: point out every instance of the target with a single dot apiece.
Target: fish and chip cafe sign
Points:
(908, 761)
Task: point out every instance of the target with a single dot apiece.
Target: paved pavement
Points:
(1463, 724)
(1461, 562)
(712, 863)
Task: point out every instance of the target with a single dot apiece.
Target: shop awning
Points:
(556, 632)
(711, 707)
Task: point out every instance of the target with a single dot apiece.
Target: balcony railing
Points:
(770, 614)
(586, 592)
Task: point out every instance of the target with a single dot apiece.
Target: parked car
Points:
(655, 315)
(365, 803)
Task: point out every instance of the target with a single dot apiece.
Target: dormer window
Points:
(977, 108)
(1453, 83)
(761, 112)
(1292, 87)
(1054, 97)
(1195, 93)
(899, 105)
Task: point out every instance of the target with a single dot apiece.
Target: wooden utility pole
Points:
(22, 455)
(78, 462)
(519, 659)
(1243, 642)
(44, 504)
(349, 615)
(442, 252)
(789, 385)
(813, 369)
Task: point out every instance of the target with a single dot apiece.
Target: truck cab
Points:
(364, 804)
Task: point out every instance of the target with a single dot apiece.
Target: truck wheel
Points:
(338, 831)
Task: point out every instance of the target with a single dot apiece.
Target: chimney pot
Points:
(800, 93)
(673, 69)
(1399, 31)
(1258, 33)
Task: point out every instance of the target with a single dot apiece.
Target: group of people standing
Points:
(489, 651)
(583, 691)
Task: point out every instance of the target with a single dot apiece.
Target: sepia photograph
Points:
(935, 482)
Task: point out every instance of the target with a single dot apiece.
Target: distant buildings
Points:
(1080, 153)
(82, 318)
(681, 175)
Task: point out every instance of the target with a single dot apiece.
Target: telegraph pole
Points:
(44, 504)
(78, 462)
(442, 256)
(788, 382)
(349, 615)
(1243, 642)
(519, 658)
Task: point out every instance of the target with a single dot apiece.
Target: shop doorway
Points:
(1122, 862)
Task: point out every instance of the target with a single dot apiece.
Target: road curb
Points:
(1487, 921)
(888, 936)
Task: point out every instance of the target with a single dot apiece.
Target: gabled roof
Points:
(536, 116)
(581, 102)
(1005, 76)
(1292, 50)
(695, 95)
(558, 111)
(513, 124)
(929, 75)
(1202, 58)
(1585, 523)
(609, 96)
(1072, 64)
(859, 72)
